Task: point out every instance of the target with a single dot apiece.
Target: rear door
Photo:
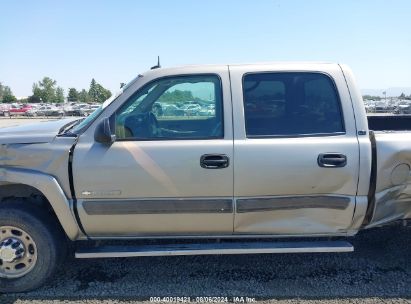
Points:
(296, 150)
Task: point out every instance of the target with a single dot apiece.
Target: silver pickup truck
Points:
(231, 157)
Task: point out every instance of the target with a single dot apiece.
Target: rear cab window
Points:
(290, 104)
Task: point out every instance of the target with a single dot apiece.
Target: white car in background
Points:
(50, 110)
(4, 109)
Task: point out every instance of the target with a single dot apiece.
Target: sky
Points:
(113, 41)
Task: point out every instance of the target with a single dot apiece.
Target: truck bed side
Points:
(393, 179)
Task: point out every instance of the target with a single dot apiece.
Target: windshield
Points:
(78, 127)
(85, 122)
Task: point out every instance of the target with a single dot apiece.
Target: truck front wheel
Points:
(31, 247)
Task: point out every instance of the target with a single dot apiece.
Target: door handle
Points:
(332, 160)
(214, 161)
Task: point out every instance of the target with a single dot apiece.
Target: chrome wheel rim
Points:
(18, 252)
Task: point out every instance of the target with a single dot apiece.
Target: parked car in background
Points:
(19, 109)
(171, 110)
(192, 109)
(91, 108)
(45, 111)
(77, 110)
(207, 111)
(403, 108)
(67, 107)
(4, 109)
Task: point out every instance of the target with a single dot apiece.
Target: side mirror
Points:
(105, 133)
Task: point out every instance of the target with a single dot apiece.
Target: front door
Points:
(296, 151)
(170, 170)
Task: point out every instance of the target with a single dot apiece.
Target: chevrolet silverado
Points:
(238, 159)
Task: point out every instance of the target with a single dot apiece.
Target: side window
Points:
(181, 107)
(291, 104)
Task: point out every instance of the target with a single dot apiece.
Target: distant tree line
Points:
(377, 98)
(402, 96)
(47, 91)
(370, 97)
(96, 93)
(178, 96)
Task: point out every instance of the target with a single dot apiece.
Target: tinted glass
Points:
(291, 104)
(183, 107)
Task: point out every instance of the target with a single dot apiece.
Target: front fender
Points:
(51, 189)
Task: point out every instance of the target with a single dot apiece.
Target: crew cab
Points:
(279, 150)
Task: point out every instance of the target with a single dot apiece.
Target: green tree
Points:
(59, 98)
(45, 89)
(6, 95)
(93, 91)
(83, 96)
(97, 93)
(104, 93)
(9, 98)
(369, 97)
(177, 96)
(33, 99)
(73, 95)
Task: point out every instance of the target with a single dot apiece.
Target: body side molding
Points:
(260, 204)
(157, 206)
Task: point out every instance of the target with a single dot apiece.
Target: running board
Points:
(213, 248)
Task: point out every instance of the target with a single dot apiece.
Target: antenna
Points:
(158, 64)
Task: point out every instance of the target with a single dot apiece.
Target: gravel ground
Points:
(11, 122)
(379, 271)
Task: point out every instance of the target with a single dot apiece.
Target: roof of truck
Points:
(251, 63)
(201, 67)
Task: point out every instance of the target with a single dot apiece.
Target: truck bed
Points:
(389, 122)
(392, 180)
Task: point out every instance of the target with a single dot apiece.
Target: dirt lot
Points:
(379, 271)
(11, 122)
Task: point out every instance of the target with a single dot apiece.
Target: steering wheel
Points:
(153, 124)
(142, 125)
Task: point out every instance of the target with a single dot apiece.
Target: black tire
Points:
(48, 236)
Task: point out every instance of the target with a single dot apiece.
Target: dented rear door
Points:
(296, 150)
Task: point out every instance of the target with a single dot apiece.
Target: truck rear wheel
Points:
(31, 247)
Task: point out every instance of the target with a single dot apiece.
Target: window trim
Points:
(174, 138)
(344, 132)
